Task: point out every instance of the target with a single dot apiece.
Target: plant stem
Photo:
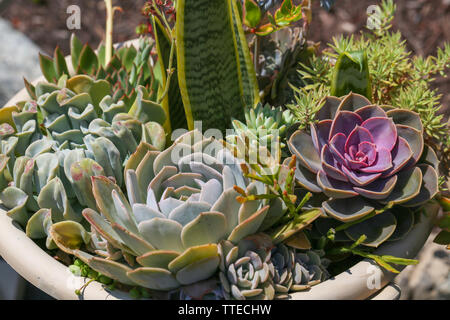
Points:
(169, 71)
(163, 17)
(109, 31)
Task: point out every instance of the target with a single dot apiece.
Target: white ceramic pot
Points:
(49, 275)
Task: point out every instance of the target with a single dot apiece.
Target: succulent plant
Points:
(263, 126)
(280, 54)
(258, 269)
(52, 145)
(366, 159)
(126, 71)
(167, 233)
(245, 273)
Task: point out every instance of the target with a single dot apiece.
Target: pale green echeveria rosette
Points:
(180, 204)
(263, 124)
(261, 139)
(51, 148)
(256, 269)
(367, 159)
(262, 133)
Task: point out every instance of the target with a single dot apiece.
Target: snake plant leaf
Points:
(172, 102)
(208, 72)
(247, 73)
(154, 278)
(377, 229)
(69, 235)
(15, 201)
(351, 74)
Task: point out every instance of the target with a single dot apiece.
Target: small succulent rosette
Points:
(181, 203)
(369, 160)
(257, 269)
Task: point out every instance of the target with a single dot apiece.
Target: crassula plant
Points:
(371, 162)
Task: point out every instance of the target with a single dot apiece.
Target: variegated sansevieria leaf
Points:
(209, 68)
(250, 88)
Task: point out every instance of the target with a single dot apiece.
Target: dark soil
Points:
(425, 24)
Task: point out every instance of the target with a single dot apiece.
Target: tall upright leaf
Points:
(209, 72)
(172, 103)
(247, 69)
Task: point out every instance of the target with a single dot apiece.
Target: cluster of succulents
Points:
(86, 164)
(126, 70)
(74, 127)
(256, 269)
(179, 220)
(371, 162)
(264, 127)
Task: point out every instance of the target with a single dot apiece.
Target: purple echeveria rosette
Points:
(364, 156)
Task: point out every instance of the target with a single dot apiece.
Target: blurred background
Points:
(31, 26)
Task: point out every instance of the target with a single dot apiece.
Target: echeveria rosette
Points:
(363, 157)
(165, 233)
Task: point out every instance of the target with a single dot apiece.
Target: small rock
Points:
(430, 279)
(18, 59)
